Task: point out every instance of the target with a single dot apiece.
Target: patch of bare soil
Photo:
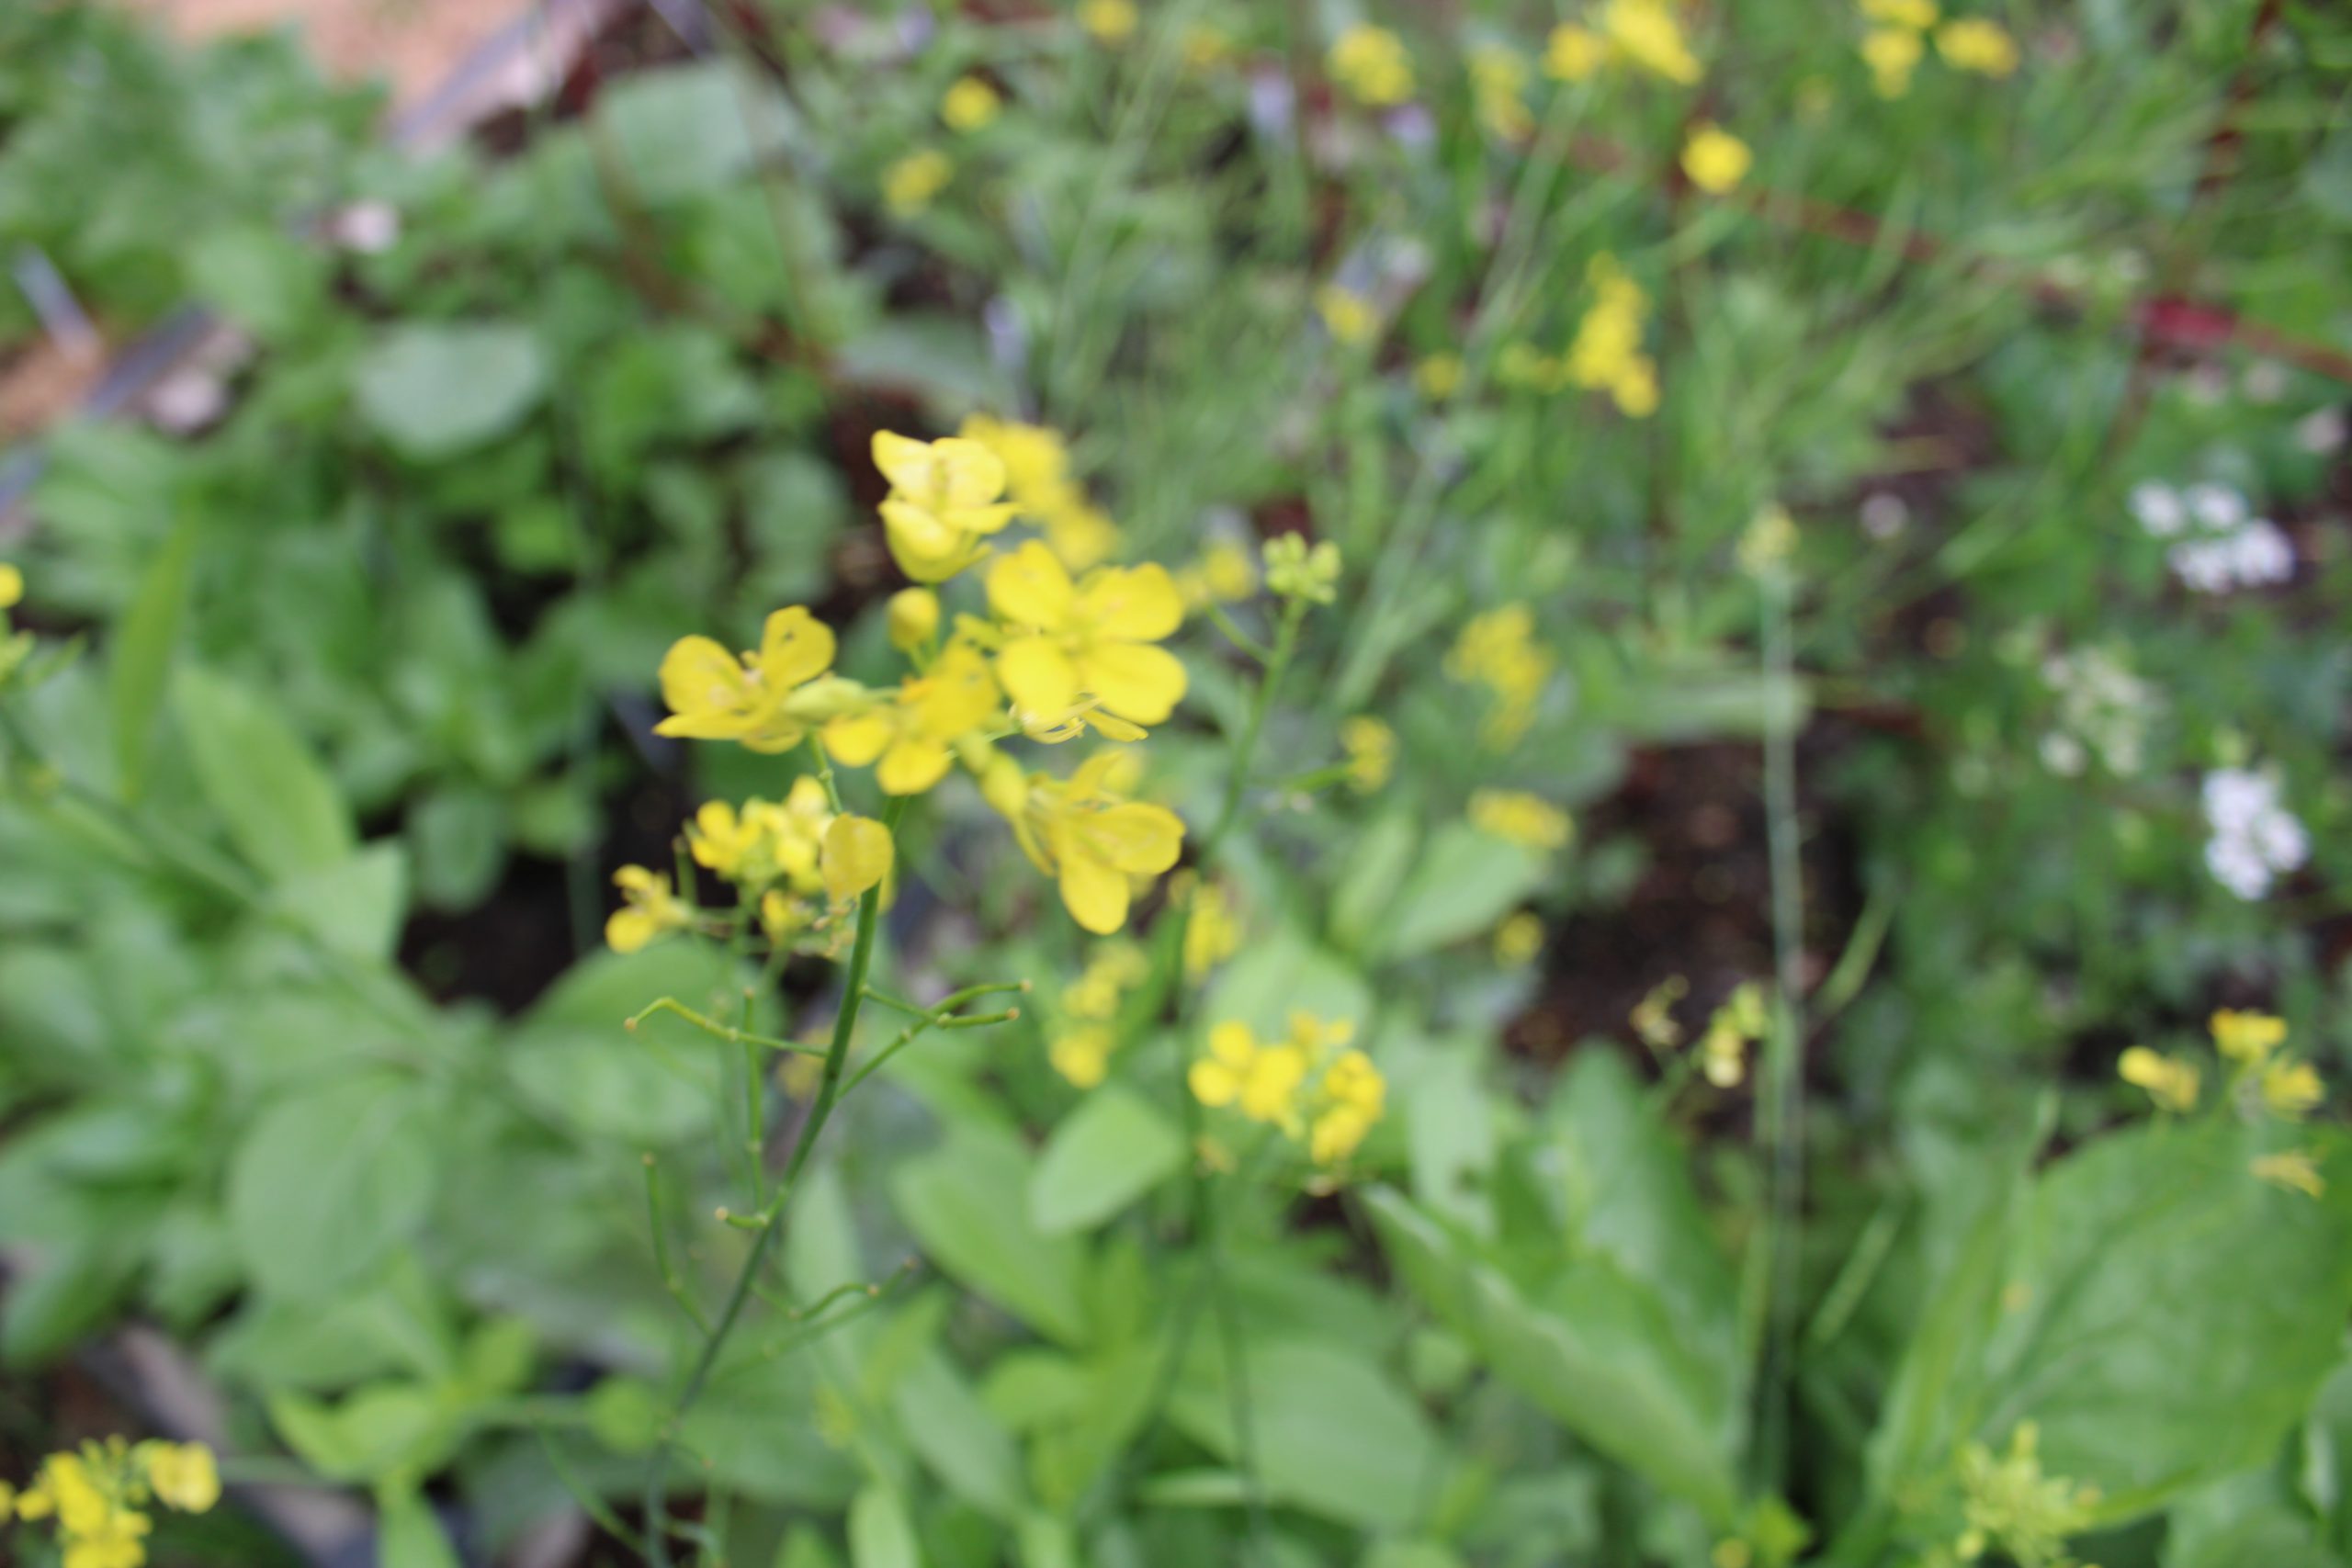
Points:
(412, 44)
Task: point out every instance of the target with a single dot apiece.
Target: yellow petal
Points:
(959, 695)
(1232, 1044)
(857, 856)
(1138, 605)
(912, 766)
(628, 931)
(1095, 895)
(699, 676)
(967, 472)
(794, 646)
(1213, 1083)
(1030, 588)
(856, 738)
(926, 548)
(1134, 680)
(905, 462)
(1037, 675)
(1137, 838)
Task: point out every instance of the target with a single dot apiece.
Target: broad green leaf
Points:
(1607, 1373)
(410, 1536)
(1284, 972)
(881, 1533)
(330, 1180)
(1630, 1199)
(282, 811)
(686, 130)
(1110, 1151)
(1376, 863)
(2242, 1522)
(433, 389)
(1449, 1130)
(145, 640)
(2167, 1315)
(355, 906)
(1466, 880)
(967, 1203)
(377, 1433)
(1331, 1433)
(956, 1436)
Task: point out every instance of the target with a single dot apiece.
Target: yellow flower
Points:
(1573, 53)
(1715, 160)
(1086, 834)
(183, 1475)
(1370, 747)
(857, 856)
(1213, 932)
(1518, 940)
(782, 917)
(1225, 573)
(1117, 967)
(1348, 316)
(1916, 15)
(2170, 1082)
(914, 730)
(2291, 1089)
(1518, 817)
(911, 183)
(2292, 1171)
(1037, 466)
(1263, 1081)
(1645, 32)
(1973, 43)
(1499, 81)
(1111, 21)
(1206, 46)
(1354, 1096)
(1082, 1057)
(944, 502)
(970, 104)
(2247, 1037)
(1371, 64)
(12, 586)
(1094, 639)
(1497, 649)
(713, 695)
(649, 911)
(1891, 53)
(1437, 377)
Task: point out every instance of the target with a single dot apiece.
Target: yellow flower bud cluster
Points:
(1736, 1025)
(1307, 1083)
(1296, 570)
(1497, 649)
(1499, 87)
(16, 646)
(2009, 1505)
(1518, 817)
(1081, 1051)
(97, 1498)
(1371, 748)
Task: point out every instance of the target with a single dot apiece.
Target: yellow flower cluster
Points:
(1498, 651)
(1607, 351)
(98, 1498)
(1348, 316)
(1213, 930)
(1642, 33)
(1111, 21)
(1307, 1083)
(779, 857)
(2010, 1507)
(1499, 87)
(2262, 1079)
(1224, 573)
(1038, 481)
(1057, 657)
(1371, 64)
(1518, 817)
(12, 586)
(16, 646)
(1897, 42)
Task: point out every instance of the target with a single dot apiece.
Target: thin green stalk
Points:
(821, 1111)
(1781, 1121)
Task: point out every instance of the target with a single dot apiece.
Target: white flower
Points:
(2254, 839)
(2221, 545)
(2216, 507)
(2320, 432)
(2103, 710)
(2159, 509)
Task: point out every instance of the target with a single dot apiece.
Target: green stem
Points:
(1781, 1121)
(821, 1111)
(725, 1031)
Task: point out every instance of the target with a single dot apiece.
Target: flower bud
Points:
(914, 618)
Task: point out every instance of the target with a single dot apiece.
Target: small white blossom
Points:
(2320, 432)
(2104, 711)
(2253, 838)
(2159, 509)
